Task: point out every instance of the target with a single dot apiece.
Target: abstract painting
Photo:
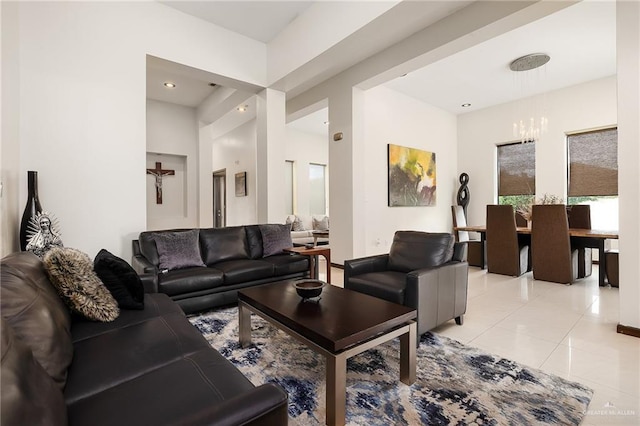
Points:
(412, 176)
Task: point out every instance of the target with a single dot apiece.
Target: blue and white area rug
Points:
(455, 385)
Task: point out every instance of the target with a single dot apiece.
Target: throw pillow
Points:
(297, 225)
(178, 250)
(71, 273)
(121, 279)
(275, 238)
(321, 224)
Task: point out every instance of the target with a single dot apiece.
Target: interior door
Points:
(219, 199)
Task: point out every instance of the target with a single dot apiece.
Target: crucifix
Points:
(159, 173)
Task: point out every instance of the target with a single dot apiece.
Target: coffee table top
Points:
(339, 320)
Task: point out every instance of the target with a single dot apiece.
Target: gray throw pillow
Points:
(275, 238)
(71, 273)
(297, 225)
(321, 224)
(178, 250)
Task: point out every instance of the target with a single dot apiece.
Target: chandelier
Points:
(531, 121)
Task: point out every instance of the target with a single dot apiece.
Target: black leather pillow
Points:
(178, 250)
(220, 244)
(275, 238)
(254, 240)
(121, 279)
(412, 250)
(71, 273)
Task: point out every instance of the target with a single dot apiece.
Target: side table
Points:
(313, 254)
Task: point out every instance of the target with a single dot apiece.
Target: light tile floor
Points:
(566, 330)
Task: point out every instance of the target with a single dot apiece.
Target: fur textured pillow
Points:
(121, 279)
(71, 273)
(275, 238)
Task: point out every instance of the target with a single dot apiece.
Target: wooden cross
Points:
(159, 173)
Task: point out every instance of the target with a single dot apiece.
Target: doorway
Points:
(220, 199)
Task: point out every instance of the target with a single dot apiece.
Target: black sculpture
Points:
(464, 194)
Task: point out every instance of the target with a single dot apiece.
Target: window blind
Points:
(517, 169)
(593, 163)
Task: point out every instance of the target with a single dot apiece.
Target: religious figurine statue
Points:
(43, 235)
(464, 194)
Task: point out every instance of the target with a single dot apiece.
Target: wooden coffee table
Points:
(343, 323)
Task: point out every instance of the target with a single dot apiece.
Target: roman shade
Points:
(593, 163)
(517, 169)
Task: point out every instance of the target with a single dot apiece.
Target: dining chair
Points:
(520, 220)
(474, 252)
(579, 216)
(553, 257)
(507, 253)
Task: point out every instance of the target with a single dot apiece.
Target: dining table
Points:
(591, 238)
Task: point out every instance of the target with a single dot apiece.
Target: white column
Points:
(628, 54)
(346, 180)
(271, 137)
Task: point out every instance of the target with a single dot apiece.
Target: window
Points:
(592, 177)
(516, 173)
(317, 189)
(289, 187)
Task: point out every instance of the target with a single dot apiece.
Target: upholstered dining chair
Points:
(507, 253)
(474, 252)
(553, 257)
(579, 216)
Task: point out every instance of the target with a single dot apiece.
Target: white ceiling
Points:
(580, 40)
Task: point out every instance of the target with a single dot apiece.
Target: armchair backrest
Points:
(412, 250)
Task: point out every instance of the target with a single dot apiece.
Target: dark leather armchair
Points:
(579, 216)
(507, 252)
(474, 252)
(554, 259)
(423, 270)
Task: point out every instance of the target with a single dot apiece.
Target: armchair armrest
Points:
(140, 263)
(364, 265)
(265, 404)
(149, 282)
(439, 294)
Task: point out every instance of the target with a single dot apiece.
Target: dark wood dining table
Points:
(592, 238)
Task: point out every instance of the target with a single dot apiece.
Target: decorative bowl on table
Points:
(308, 288)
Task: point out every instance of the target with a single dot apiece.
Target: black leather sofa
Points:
(233, 258)
(148, 367)
(423, 270)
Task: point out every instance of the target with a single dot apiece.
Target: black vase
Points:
(32, 208)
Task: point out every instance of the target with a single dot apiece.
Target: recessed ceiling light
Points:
(169, 84)
(242, 108)
(467, 105)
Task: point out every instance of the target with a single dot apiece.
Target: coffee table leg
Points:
(244, 325)
(336, 389)
(408, 355)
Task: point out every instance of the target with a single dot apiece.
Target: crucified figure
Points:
(158, 173)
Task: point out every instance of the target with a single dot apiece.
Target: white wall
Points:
(580, 107)
(172, 139)
(236, 152)
(10, 172)
(82, 102)
(303, 148)
(391, 117)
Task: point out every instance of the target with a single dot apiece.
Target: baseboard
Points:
(629, 331)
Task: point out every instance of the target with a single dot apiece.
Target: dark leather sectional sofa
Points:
(234, 260)
(148, 367)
